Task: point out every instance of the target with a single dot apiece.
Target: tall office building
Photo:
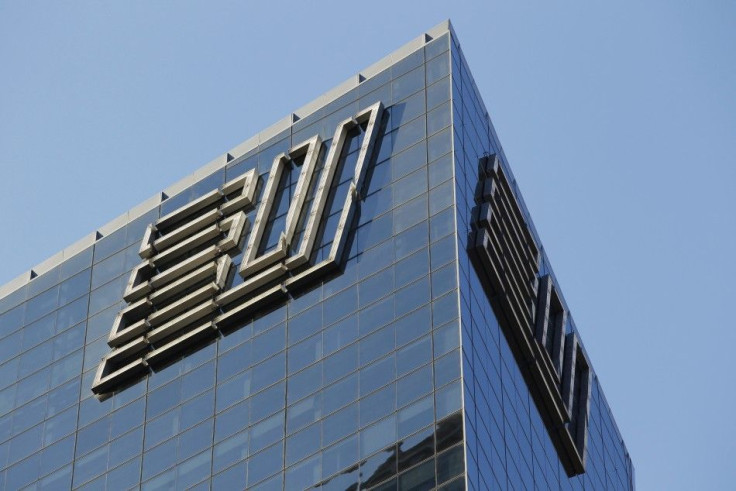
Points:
(355, 298)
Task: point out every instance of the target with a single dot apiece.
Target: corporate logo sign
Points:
(178, 295)
(531, 314)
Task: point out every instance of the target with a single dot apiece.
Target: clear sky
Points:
(618, 118)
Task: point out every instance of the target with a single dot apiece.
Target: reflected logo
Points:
(179, 296)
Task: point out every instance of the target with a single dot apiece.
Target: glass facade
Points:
(508, 446)
(390, 373)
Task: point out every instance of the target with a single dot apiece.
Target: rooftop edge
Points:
(222, 160)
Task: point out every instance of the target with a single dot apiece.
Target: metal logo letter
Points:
(178, 294)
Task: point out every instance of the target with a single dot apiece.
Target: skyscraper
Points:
(354, 298)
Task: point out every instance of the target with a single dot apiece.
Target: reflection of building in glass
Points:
(355, 298)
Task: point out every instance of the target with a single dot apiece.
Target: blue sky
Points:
(618, 118)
